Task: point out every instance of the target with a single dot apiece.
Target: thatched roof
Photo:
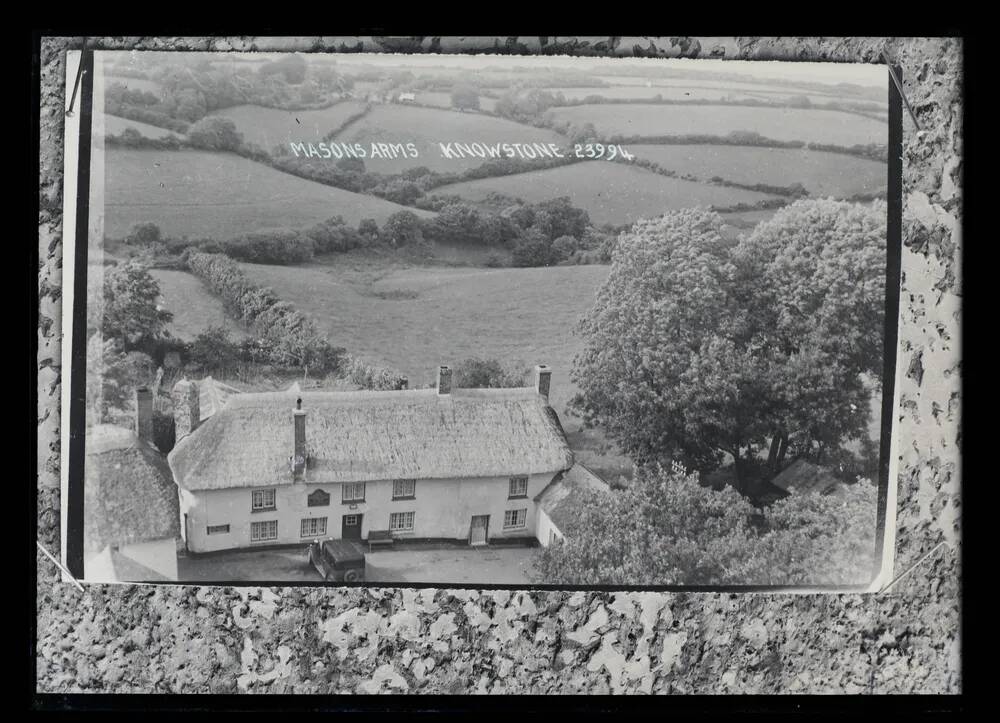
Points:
(561, 498)
(129, 493)
(365, 436)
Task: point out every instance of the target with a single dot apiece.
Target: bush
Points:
(335, 235)
(214, 350)
(486, 373)
(371, 376)
(533, 249)
(281, 246)
(215, 133)
(144, 233)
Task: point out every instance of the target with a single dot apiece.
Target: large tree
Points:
(667, 529)
(699, 348)
(130, 306)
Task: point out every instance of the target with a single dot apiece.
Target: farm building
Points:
(559, 502)
(282, 468)
(407, 98)
(131, 521)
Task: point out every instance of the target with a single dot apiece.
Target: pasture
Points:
(270, 127)
(426, 127)
(783, 124)
(611, 192)
(823, 174)
(415, 318)
(201, 194)
(150, 86)
(114, 125)
(194, 307)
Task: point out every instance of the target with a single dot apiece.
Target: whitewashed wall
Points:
(443, 509)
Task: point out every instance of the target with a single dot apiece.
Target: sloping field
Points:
(113, 126)
(417, 318)
(269, 127)
(830, 92)
(822, 174)
(783, 124)
(614, 193)
(194, 307)
(426, 127)
(219, 195)
(692, 93)
(133, 83)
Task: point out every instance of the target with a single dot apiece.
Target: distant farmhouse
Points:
(444, 464)
(407, 98)
(131, 521)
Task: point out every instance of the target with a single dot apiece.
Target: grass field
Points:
(415, 318)
(219, 195)
(194, 307)
(614, 193)
(833, 91)
(269, 127)
(783, 124)
(426, 127)
(822, 174)
(134, 83)
(113, 126)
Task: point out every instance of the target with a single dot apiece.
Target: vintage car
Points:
(338, 560)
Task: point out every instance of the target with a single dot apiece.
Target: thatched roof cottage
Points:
(432, 464)
(131, 515)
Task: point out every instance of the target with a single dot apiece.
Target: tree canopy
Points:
(130, 308)
(666, 529)
(699, 347)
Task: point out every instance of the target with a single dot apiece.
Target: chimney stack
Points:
(299, 458)
(444, 381)
(144, 414)
(543, 378)
(187, 407)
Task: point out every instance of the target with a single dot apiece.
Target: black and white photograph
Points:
(486, 320)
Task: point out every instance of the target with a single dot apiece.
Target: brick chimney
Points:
(444, 381)
(187, 407)
(543, 379)
(299, 454)
(144, 414)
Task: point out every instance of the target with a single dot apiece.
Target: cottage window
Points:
(518, 486)
(263, 531)
(513, 519)
(404, 489)
(218, 529)
(353, 492)
(401, 522)
(313, 526)
(319, 498)
(262, 500)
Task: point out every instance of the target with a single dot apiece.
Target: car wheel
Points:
(352, 576)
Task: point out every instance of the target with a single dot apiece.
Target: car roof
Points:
(343, 550)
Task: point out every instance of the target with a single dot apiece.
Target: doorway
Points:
(350, 529)
(479, 529)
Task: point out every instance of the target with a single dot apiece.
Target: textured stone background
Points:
(312, 640)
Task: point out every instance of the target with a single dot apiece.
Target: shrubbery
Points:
(279, 246)
(287, 336)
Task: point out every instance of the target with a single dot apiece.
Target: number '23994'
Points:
(600, 150)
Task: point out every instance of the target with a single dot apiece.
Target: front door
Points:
(477, 532)
(351, 527)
